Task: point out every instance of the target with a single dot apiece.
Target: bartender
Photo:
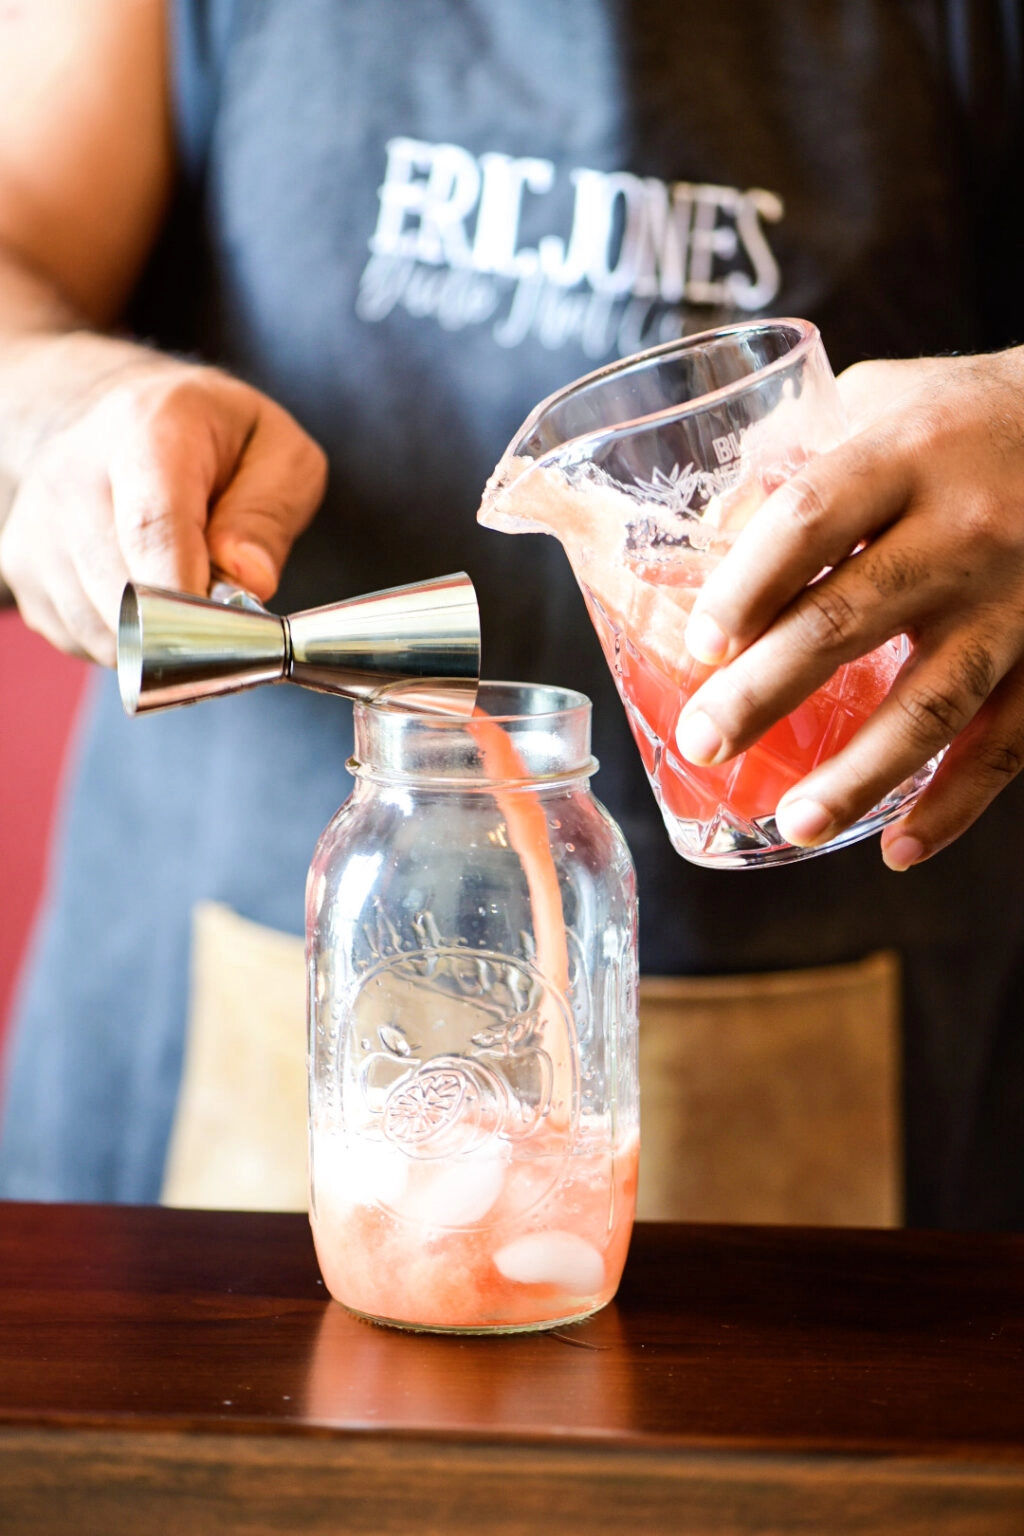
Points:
(277, 283)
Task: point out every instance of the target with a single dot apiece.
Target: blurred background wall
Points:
(39, 694)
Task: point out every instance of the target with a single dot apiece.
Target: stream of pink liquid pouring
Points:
(529, 836)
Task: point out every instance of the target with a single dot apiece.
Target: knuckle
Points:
(984, 520)
(21, 590)
(864, 372)
(11, 550)
(933, 715)
(306, 449)
(306, 457)
(892, 572)
(84, 627)
(41, 619)
(97, 643)
(135, 399)
(924, 429)
(974, 669)
(826, 618)
(161, 404)
(314, 474)
(175, 408)
(1000, 761)
(24, 556)
(317, 462)
(804, 504)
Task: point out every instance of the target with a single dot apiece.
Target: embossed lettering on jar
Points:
(471, 938)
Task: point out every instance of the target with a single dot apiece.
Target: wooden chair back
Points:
(764, 1098)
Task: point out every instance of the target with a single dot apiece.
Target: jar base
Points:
(483, 1328)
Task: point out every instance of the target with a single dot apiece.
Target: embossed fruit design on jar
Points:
(471, 920)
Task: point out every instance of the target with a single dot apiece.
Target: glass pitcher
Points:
(646, 471)
(471, 944)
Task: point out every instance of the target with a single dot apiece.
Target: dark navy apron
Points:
(408, 223)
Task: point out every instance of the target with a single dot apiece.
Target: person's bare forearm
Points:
(50, 362)
(117, 462)
(52, 365)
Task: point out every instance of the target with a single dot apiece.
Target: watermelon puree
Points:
(508, 1234)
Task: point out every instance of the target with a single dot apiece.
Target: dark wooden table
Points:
(178, 1372)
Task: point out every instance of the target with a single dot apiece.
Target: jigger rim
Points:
(129, 649)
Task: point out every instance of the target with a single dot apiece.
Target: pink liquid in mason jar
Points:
(494, 1234)
(488, 1242)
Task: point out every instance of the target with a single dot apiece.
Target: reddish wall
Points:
(39, 692)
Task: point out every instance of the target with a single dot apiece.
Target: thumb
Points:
(275, 489)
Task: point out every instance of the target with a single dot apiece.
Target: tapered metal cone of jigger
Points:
(414, 647)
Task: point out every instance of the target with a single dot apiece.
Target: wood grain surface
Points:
(175, 1371)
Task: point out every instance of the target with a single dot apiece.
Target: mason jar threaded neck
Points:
(543, 736)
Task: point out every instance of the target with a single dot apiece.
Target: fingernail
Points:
(705, 640)
(902, 852)
(803, 822)
(698, 738)
(251, 565)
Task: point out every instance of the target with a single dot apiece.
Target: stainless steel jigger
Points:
(415, 647)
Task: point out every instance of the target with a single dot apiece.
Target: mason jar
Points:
(471, 945)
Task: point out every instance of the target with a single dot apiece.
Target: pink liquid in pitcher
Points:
(640, 607)
(480, 1232)
(654, 691)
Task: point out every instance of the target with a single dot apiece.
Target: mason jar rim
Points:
(551, 739)
(571, 699)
